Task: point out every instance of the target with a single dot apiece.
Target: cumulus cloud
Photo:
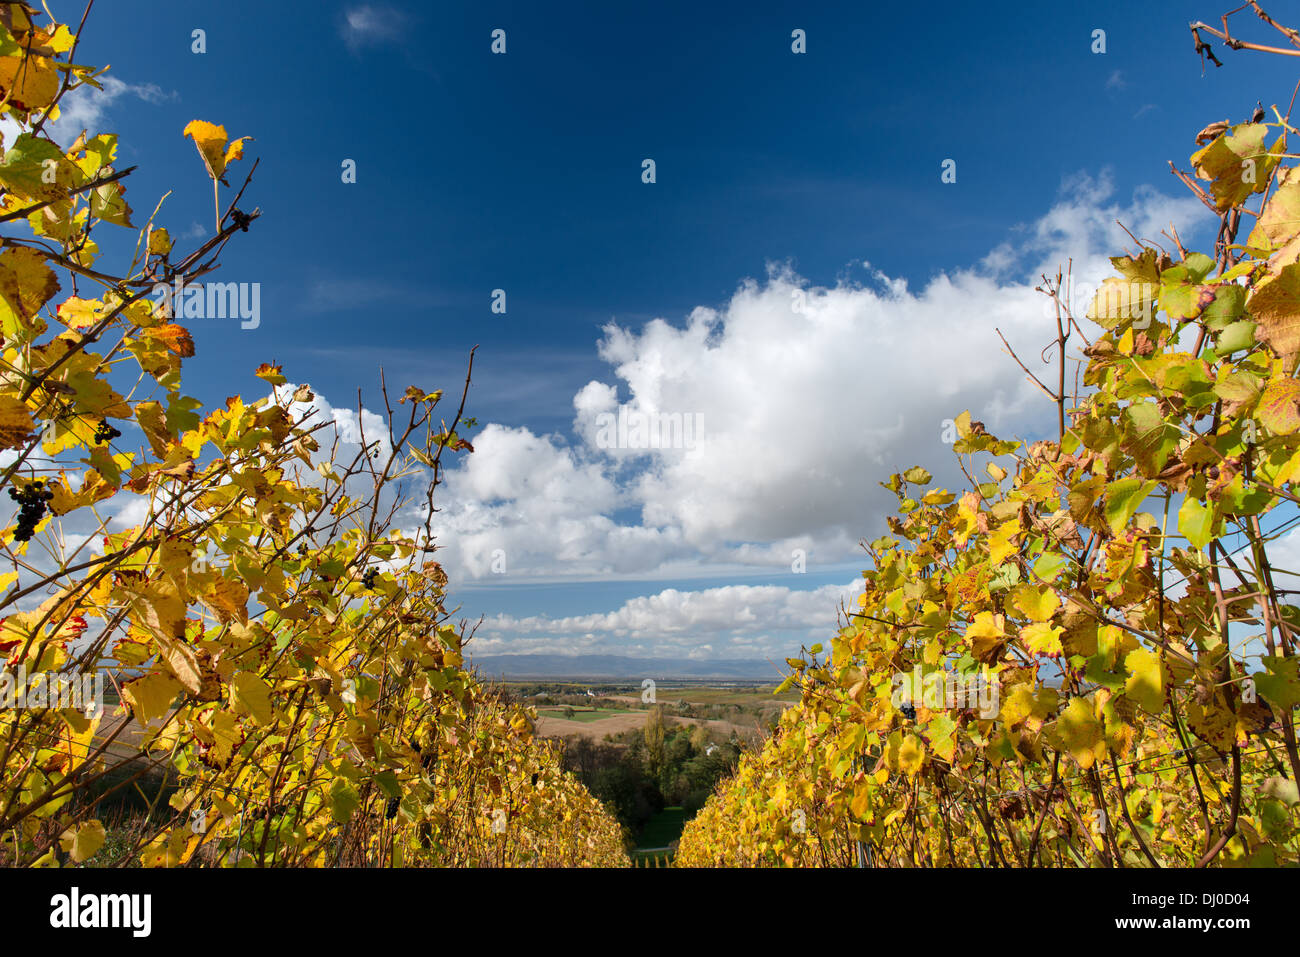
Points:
(805, 398)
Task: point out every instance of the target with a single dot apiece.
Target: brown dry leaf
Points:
(176, 338)
(15, 423)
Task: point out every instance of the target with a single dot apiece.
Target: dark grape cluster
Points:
(31, 501)
(391, 812)
(427, 760)
(105, 433)
(369, 578)
(908, 712)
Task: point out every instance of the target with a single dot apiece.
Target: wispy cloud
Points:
(1116, 81)
(369, 25)
(332, 295)
(86, 108)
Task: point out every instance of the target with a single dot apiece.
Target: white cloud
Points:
(808, 397)
(805, 407)
(733, 621)
(86, 108)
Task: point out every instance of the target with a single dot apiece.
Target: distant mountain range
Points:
(616, 667)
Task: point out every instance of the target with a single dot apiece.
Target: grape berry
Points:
(31, 501)
(105, 433)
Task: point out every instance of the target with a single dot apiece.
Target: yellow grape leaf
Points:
(1043, 638)
(1018, 704)
(967, 522)
(84, 842)
(1279, 407)
(962, 423)
(31, 82)
(861, 801)
(251, 696)
(1145, 684)
(1275, 305)
(1212, 721)
(1221, 162)
(272, 374)
(227, 735)
(1119, 725)
(889, 759)
(911, 755)
(153, 423)
(160, 242)
(170, 849)
(1002, 542)
(1279, 221)
(986, 625)
(15, 423)
(61, 40)
(159, 607)
(97, 397)
(183, 662)
(1026, 703)
(1080, 731)
(941, 732)
(986, 633)
(26, 284)
(211, 142)
(151, 696)
(1038, 604)
(76, 313)
(228, 599)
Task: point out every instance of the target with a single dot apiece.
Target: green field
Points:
(581, 714)
(740, 696)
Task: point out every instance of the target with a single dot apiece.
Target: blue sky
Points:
(817, 172)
